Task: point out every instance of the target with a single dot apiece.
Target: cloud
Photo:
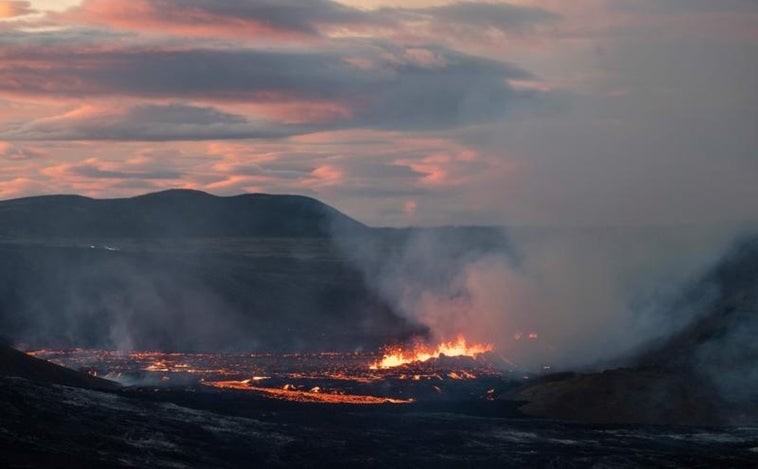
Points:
(502, 17)
(397, 91)
(21, 186)
(101, 177)
(140, 167)
(600, 111)
(17, 153)
(146, 122)
(296, 20)
(230, 18)
(366, 172)
(688, 6)
(183, 114)
(11, 9)
(92, 171)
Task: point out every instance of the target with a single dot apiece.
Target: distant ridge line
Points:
(173, 213)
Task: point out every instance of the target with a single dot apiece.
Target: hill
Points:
(725, 326)
(183, 270)
(209, 294)
(19, 364)
(189, 271)
(707, 373)
(173, 214)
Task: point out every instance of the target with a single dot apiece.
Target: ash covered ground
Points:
(460, 414)
(43, 425)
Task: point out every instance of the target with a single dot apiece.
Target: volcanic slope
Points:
(21, 365)
(188, 271)
(707, 373)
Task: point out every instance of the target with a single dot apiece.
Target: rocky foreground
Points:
(55, 417)
(43, 425)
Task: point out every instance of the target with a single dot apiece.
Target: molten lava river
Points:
(452, 370)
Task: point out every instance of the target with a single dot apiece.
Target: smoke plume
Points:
(564, 297)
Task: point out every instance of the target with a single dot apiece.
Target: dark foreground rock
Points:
(649, 396)
(57, 426)
(19, 364)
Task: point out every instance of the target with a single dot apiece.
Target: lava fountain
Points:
(420, 353)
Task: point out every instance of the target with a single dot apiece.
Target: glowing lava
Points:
(457, 348)
(314, 395)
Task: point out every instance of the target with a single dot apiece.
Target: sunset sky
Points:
(396, 112)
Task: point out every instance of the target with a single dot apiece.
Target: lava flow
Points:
(314, 395)
(316, 378)
(458, 348)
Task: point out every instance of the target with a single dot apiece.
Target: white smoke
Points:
(568, 298)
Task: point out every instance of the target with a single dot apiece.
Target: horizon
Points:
(428, 113)
(742, 225)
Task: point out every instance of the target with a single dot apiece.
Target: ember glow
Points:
(458, 348)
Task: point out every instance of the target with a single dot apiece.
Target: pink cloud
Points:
(9, 151)
(285, 110)
(235, 184)
(328, 175)
(174, 18)
(410, 206)
(21, 187)
(366, 171)
(450, 167)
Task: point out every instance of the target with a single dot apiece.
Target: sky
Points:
(525, 112)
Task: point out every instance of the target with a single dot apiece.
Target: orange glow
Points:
(457, 348)
(11, 9)
(315, 395)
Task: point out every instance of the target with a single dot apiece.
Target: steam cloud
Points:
(591, 295)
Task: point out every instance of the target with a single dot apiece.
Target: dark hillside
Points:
(19, 364)
(183, 270)
(728, 299)
(173, 213)
(205, 295)
(705, 373)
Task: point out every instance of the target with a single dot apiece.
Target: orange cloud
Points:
(11, 9)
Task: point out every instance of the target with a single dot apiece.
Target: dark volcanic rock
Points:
(19, 364)
(657, 396)
(57, 426)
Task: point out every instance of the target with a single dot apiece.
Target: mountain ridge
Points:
(173, 213)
